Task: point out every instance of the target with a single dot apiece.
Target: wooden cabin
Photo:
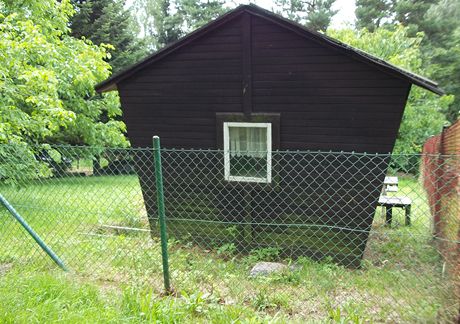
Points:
(252, 80)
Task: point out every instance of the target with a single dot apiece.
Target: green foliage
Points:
(198, 13)
(315, 14)
(442, 49)
(48, 77)
(157, 22)
(439, 20)
(442, 20)
(194, 302)
(108, 22)
(336, 315)
(372, 14)
(226, 251)
(291, 276)
(48, 80)
(18, 163)
(264, 301)
(424, 114)
(263, 254)
(422, 118)
(411, 13)
(165, 21)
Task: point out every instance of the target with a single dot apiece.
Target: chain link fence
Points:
(350, 234)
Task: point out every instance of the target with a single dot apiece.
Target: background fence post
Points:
(161, 211)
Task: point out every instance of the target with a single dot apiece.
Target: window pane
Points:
(248, 151)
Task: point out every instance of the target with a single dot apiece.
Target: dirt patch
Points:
(5, 267)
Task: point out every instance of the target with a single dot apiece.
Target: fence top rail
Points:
(101, 149)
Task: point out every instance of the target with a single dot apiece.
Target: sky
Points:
(345, 15)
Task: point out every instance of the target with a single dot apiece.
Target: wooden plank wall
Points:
(178, 98)
(327, 101)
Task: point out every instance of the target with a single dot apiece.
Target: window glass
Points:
(248, 151)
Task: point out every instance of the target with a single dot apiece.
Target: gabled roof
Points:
(111, 83)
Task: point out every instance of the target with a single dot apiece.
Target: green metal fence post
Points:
(32, 233)
(161, 211)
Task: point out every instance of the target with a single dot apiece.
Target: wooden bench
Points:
(389, 203)
(390, 184)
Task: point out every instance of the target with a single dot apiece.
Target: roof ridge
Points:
(111, 82)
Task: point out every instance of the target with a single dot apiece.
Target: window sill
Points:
(247, 179)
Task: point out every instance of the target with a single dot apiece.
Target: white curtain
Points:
(248, 141)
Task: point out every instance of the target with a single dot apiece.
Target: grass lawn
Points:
(115, 274)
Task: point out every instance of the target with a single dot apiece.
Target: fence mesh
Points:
(351, 234)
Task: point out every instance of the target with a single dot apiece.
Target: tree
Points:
(372, 14)
(411, 13)
(47, 79)
(198, 13)
(424, 111)
(439, 20)
(442, 49)
(315, 14)
(108, 22)
(158, 24)
(165, 21)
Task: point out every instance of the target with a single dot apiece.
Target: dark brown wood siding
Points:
(179, 96)
(325, 100)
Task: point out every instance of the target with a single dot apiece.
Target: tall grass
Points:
(116, 273)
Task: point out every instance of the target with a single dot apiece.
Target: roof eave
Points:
(434, 89)
(351, 51)
(111, 83)
(102, 87)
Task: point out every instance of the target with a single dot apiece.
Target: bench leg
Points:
(389, 215)
(408, 215)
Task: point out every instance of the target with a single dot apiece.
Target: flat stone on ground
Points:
(266, 268)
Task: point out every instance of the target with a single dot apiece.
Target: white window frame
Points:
(227, 175)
